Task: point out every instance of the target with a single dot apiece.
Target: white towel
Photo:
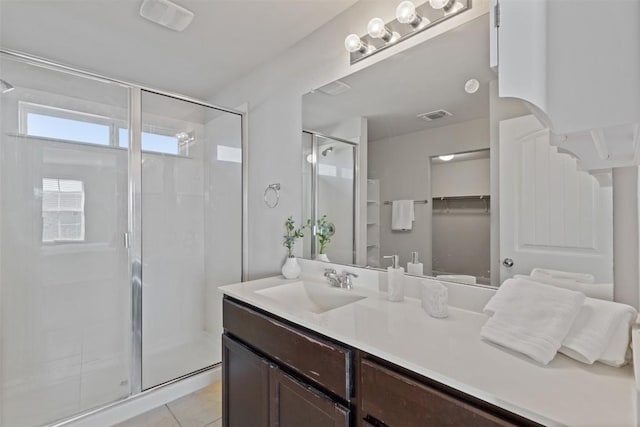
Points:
(617, 351)
(602, 291)
(402, 215)
(531, 318)
(594, 329)
(558, 274)
(459, 278)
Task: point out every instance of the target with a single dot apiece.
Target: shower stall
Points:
(121, 213)
(329, 183)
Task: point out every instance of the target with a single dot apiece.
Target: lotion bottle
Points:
(395, 280)
(415, 267)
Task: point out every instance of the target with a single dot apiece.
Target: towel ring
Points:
(275, 188)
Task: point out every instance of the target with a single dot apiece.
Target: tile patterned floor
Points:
(202, 408)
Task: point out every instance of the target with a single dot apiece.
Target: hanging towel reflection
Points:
(402, 215)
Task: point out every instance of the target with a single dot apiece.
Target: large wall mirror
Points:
(417, 156)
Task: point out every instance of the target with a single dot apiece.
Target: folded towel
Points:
(617, 351)
(459, 278)
(531, 318)
(594, 328)
(602, 291)
(558, 274)
(402, 215)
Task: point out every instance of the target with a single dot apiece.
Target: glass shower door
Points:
(336, 196)
(191, 232)
(65, 297)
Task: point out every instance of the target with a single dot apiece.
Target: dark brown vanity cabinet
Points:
(278, 374)
(390, 398)
(245, 382)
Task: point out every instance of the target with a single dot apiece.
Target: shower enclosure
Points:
(121, 213)
(329, 177)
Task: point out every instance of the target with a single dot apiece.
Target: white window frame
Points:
(25, 108)
(83, 235)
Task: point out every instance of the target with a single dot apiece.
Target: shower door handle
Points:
(126, 240)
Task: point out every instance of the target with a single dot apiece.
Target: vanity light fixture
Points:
(378, 30)
(406, 14)
(441, 4)
(447, 157)
(354, 44)
(457, 6)
(411, 19)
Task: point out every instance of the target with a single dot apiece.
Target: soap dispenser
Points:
(395, 280)
(414, 267)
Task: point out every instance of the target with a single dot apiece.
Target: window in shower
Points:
(60, 124)
(54, 123)
(62, 210)
(167, 142)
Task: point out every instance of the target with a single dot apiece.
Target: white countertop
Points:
(451, 352)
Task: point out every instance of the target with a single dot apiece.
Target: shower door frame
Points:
(132, 238)
(315, 190)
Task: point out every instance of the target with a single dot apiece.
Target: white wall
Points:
(274, 96)
(626, 276)
(403, 166)
(463, 178)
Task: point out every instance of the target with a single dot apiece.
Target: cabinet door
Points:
(294, 404)
(245, 386)
(395, 400)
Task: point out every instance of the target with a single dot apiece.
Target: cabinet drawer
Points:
(397, 400)
(323, 362)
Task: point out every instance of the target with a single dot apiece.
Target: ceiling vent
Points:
(167, 14)
(434, 115)
(334, 88)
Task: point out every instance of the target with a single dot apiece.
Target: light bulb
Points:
(377, 29)
(353, 43)
(472, 86)
(440, 4)
(406, 14)
(447, 157)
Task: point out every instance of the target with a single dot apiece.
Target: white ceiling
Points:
(227, 39)
(428, 77)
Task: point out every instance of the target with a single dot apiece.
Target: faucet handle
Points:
(328, 271)
(346, 278)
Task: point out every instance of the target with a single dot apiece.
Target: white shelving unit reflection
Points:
(373, 222)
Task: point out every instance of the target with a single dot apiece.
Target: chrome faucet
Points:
(342, 280)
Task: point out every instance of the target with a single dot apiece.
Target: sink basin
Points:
(315, 297)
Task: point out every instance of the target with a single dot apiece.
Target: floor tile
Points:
(159, 417)
(216, 423)
(199, 408)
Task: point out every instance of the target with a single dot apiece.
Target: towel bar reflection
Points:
(388, 202)
(275, 188)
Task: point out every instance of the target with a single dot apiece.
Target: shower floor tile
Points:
(202, 408)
